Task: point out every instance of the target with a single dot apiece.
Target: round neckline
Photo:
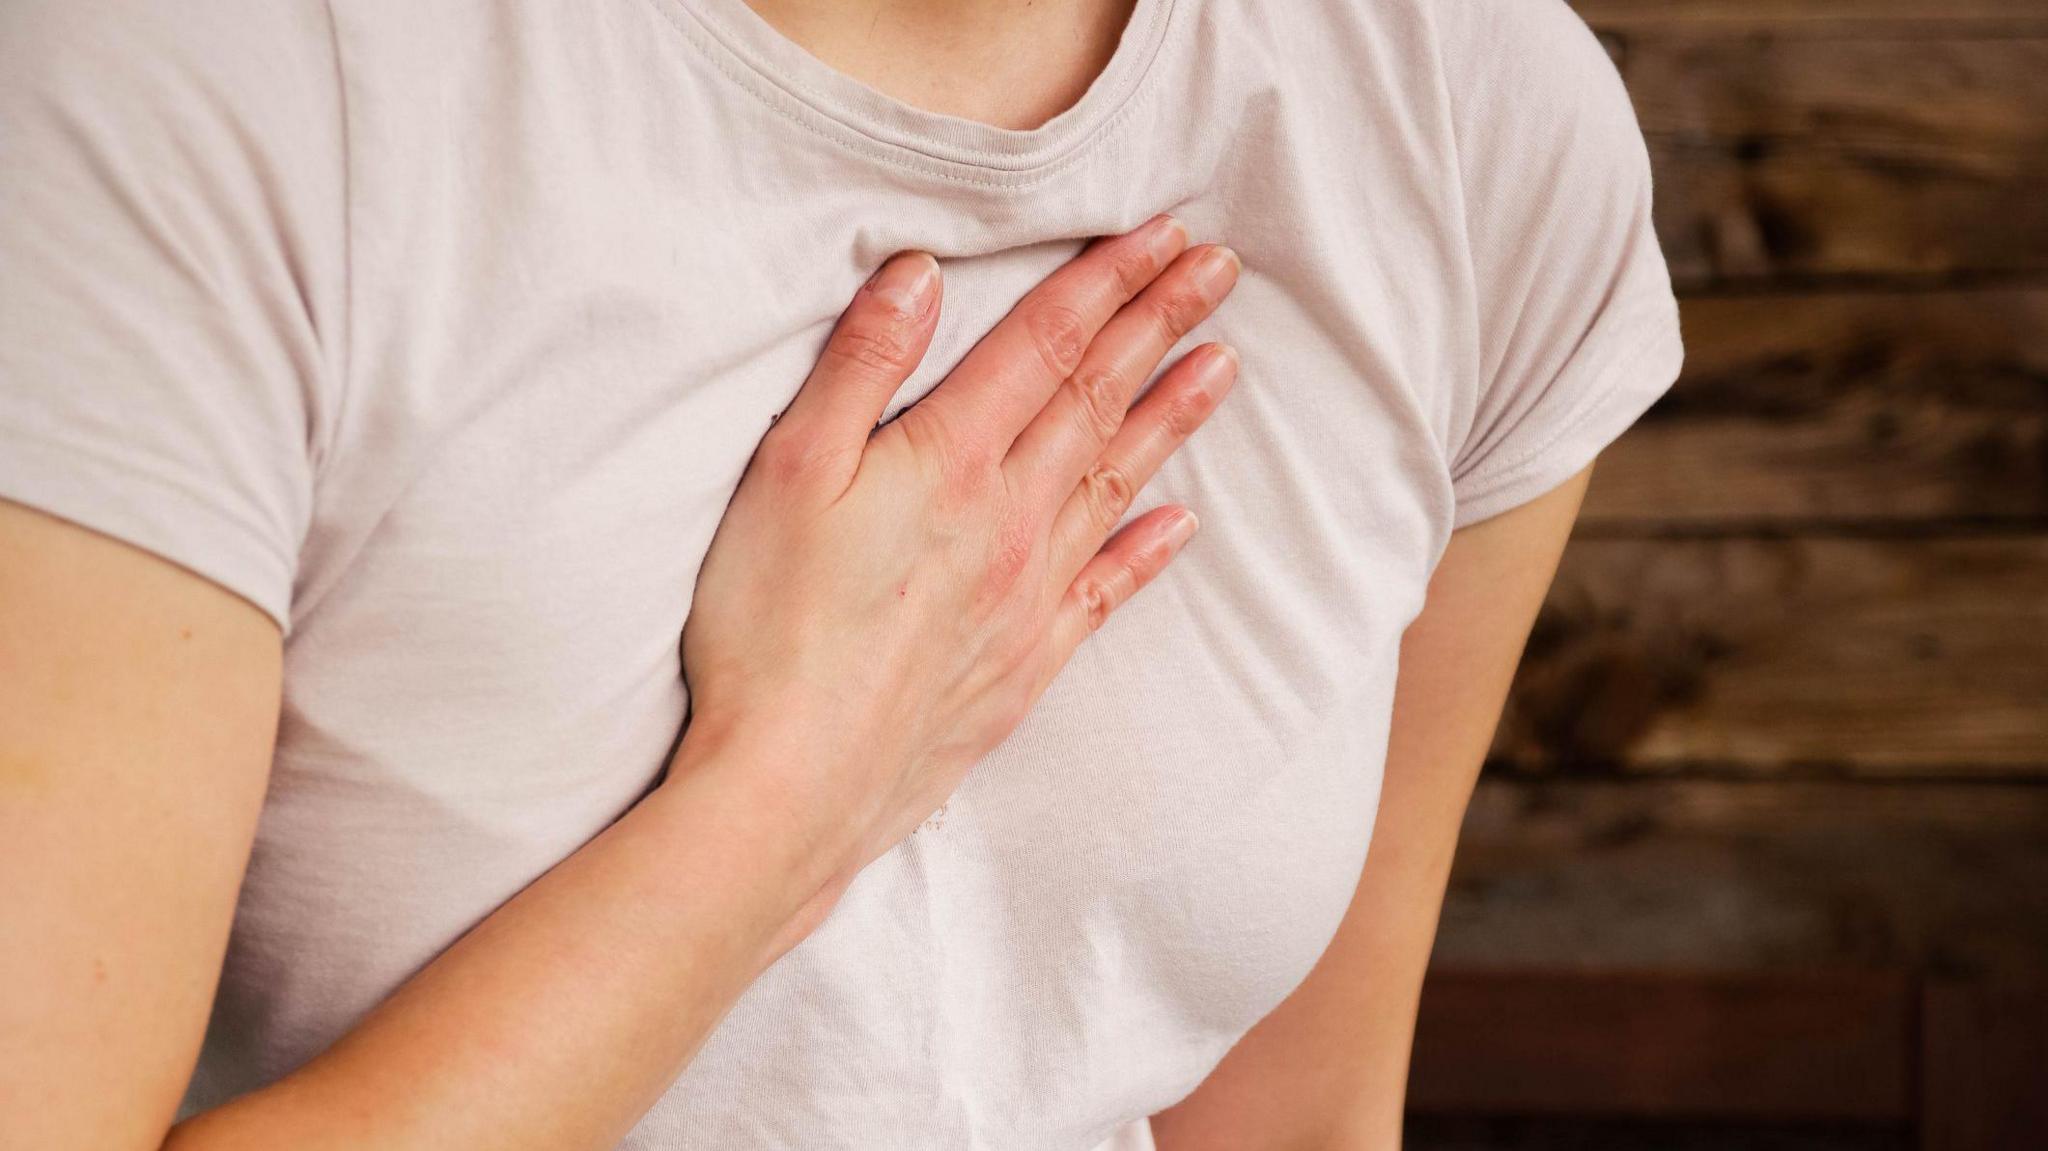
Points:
(832, 97)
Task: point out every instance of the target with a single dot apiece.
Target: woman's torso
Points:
(593, 250)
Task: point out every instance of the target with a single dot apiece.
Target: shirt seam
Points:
(1495, 475)
(862, 143)
(1460, 212)
(344, 355)
(197, 495)
(1463, 215)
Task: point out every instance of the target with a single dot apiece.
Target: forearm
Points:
(561, 1018)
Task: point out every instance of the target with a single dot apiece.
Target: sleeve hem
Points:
(116, 500)
(1636, 381)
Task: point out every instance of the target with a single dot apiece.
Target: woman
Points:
(380, 393)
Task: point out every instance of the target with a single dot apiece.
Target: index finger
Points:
(992, 394)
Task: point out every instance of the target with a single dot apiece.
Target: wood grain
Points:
(1876, 657)
(1968, 100)
(1821, 409)
(1785, 714)
(1898, 157)
(1815, 17)
(1740, 875)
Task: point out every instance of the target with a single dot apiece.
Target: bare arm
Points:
(1328, 1069)
(138, 708)
(139, 701)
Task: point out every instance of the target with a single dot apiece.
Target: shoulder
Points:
(1531, 37)
(1528, 82)
(173, 230)
(1531, 64)
(147, 92)
(1575, 321)
(229, 48)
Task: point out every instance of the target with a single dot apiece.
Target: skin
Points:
(960, 552)
(1001, 62)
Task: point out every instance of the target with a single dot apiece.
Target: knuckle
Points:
(1184, 413)
(1133, 267)
(1178, 311)
(1099, 392)
(1096, 604)
(1010, 551)
(1109, 493)
(961, 482)
(965, 477)
(1059, 334)
(870, 346)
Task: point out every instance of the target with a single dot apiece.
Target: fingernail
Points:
(1218, 367)
(904, 283)
(1216, 271)
(1165, 237)
(1181, 529)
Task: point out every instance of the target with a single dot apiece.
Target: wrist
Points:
(742, 787)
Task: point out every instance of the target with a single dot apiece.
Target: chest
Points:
(533, 480)
(490, 672)
(568, 342)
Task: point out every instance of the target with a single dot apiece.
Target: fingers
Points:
(1071, 431)
(1010, 374)
(1161, 422)
(876, 345)
(1127, 563)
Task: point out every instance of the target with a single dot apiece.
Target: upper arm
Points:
(171, 287)
(138, 703)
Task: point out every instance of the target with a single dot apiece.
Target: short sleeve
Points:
(171, 275)
(1576, 323)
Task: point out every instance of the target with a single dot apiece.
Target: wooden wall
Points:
(1761, 859)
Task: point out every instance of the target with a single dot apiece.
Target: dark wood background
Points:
(1761, 857)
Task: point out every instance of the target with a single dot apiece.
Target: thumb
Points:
(876, 345)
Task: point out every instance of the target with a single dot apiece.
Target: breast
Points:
(483, 671)
(1161, 851)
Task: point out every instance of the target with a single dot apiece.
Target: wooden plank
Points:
(1842, 407)
(1833, 1045)
(1877, 657)
(1902, 157)
(1552, 1133)
(1985, 1060)
(1733, 875)
(1971, 100)
(1823, 17)
(1738, 212)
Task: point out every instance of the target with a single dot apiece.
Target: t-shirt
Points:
(444, 332)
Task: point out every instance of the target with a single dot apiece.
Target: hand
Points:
(881, 606)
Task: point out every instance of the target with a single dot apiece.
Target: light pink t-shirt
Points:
(442, 332)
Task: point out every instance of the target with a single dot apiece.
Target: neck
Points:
(933, 20)
(1013, 63)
